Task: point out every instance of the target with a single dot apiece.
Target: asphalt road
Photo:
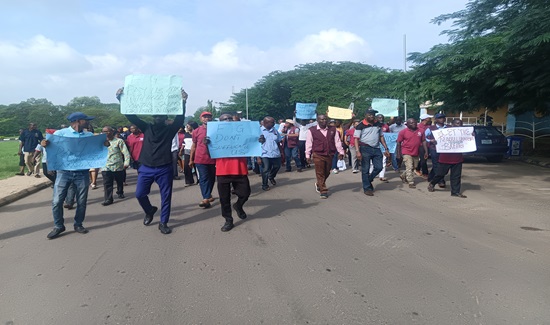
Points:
(404, 256)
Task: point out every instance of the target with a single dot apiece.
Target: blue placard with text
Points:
(234, 139)
(67, 153)
(306, 111)
(391, 141)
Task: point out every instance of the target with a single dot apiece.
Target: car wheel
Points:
(495, 159)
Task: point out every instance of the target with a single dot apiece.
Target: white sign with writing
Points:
(460, 139)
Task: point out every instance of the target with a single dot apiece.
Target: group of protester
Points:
(150, 148)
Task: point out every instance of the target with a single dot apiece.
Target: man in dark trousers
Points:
(232, 172)
(322, 143)
(156, 162)
(440, 123)
(29, 139)
(452, 161)
(368, 137)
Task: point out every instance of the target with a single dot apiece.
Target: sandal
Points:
(385, 180)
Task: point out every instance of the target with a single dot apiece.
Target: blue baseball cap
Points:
(79, 116)
(439, 115)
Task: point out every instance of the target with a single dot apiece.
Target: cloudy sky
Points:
(61, 49)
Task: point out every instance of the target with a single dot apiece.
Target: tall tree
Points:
(495, 56)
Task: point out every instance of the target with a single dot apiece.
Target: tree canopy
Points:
(496, 56)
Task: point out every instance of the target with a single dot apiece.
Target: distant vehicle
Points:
(490, 142)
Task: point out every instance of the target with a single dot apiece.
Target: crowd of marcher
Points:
(162, 150)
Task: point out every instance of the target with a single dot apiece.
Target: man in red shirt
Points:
(409, 141)
(452, 161)
(200, 159)
(232, 173)
(134, 141)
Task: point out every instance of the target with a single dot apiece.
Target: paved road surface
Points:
(405, 256)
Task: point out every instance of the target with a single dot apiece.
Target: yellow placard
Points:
(339, 113)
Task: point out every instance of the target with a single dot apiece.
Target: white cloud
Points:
(331, 45)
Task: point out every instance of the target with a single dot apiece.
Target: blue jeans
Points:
(335, 160)
(270, 168)
(292, 153)
(164, 177)
(207, 178)
(368, 155)
(80, 179)
(394, 164)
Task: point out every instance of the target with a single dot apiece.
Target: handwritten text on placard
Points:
(234, 139)
(152, 95)
(458, 139)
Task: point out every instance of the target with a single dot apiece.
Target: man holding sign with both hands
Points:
(156, 160)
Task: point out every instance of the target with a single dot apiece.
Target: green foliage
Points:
(496, 57)
(324, 83)
(9, 160)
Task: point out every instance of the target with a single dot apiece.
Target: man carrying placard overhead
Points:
(156, 162)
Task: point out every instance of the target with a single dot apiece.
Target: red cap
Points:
(206, 113)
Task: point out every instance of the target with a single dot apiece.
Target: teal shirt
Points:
(118, 156)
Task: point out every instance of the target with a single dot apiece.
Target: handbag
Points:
(341, 164)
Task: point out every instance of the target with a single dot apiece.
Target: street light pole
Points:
(405, 70)
(246, 93)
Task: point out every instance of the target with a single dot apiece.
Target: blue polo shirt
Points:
(71, 133)
(270, 148)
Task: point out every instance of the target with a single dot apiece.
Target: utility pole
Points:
(405, 70)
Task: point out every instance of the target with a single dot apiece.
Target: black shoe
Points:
(205, 204)
(80, 229)
(240, 212)
(273, 181)
(462, 196)
(106, 203)
(227, 226)
(164, 228)
(299, 170)
(55, 232)
(69, 206)
(177, 178)
(120, 196)
(149, 216)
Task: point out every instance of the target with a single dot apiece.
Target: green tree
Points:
(494, 58)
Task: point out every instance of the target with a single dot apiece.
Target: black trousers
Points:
(302, 153)
(423, 163)
(45, 171)
(456, 176)
(241, 185)
(187, 171)
(108, 180)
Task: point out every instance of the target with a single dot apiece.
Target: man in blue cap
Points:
(80, 179)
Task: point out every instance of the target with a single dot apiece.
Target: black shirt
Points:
(30, 139)
(157, 140)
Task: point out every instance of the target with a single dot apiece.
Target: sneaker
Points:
(55, 232)
(120, 196)
(37, 175)
(317, 189)
(335, 171)
(323, 196)
(369, 193)
(227, 226)
(355, 171)
(164, 228)
(430, 188)
(93, 186)
(412, 186)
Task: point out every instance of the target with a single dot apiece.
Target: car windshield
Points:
(490, 132)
